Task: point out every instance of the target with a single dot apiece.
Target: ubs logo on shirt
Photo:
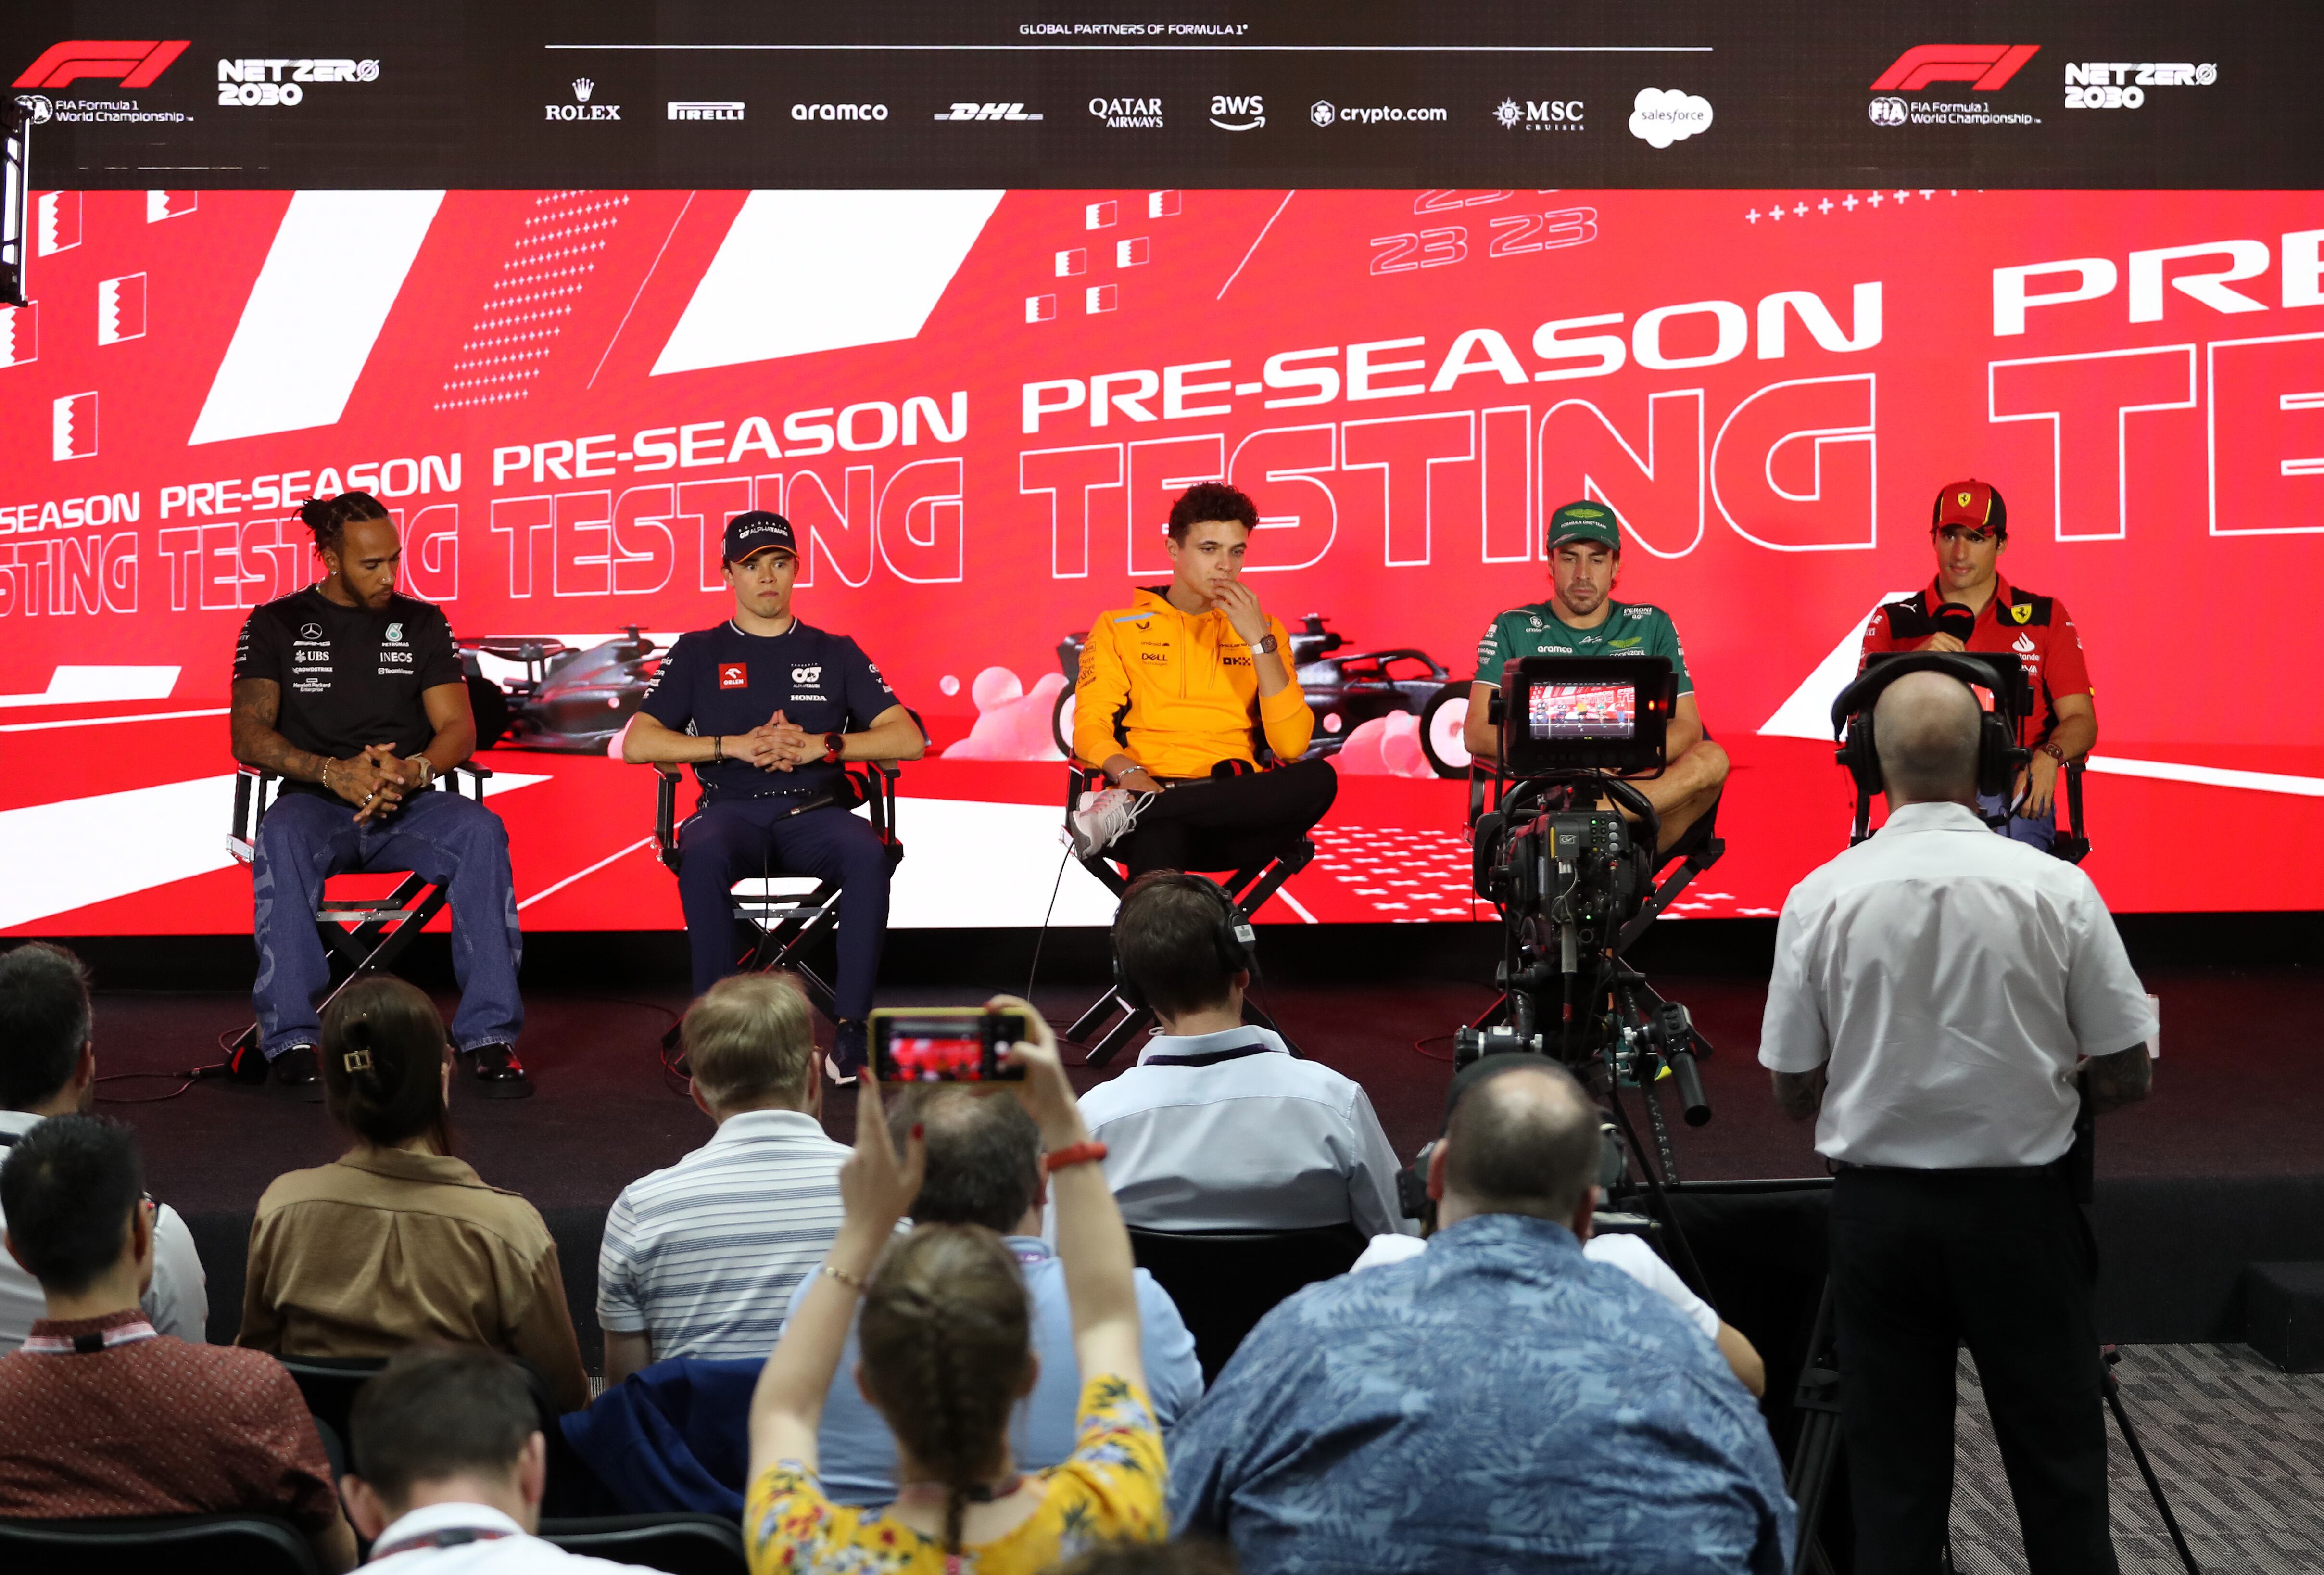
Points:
(806, 675)
(733, 675)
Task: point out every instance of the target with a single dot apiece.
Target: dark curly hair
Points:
(330, 518)
(1211, 500)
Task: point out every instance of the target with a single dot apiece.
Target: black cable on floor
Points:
(186, 1083)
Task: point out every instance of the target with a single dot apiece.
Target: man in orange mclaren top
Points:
(1178, 693)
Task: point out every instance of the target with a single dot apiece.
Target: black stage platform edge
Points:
(2173, 1252)
(1307, 954)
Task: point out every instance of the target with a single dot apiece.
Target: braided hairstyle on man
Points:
(330, 518)
(947, 1350)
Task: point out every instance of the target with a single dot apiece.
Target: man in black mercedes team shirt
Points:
(355, 696)
(765, 710)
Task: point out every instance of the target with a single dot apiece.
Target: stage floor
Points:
(2239, 1092)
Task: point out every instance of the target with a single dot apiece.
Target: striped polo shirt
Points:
(704, 1255)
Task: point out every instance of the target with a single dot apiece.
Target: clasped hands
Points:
(778, 743)
(375, 781)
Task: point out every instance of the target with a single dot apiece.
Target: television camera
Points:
(1574, 877)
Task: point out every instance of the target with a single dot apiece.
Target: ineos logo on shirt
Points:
(733, 675)
(806, 675)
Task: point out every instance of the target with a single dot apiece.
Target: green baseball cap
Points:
(1584, 522)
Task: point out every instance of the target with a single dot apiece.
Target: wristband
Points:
(1074, 1153)
(717, 747)
(2054, 752)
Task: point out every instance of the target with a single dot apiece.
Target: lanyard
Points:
(454, 1536)
(82, 1345)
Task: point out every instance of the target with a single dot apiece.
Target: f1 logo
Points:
(135, 61)
(1985, 67)
(733, 675)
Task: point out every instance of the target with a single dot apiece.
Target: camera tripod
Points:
(1817, 1399)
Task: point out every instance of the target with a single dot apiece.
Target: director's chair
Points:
(368, 934)
(787, 915)
(1246, 889)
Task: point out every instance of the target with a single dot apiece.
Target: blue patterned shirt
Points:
(1498, 1403)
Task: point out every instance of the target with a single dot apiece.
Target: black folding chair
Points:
(1247, 889)
(1225, 1280)
(787, 915)
(183, 1545)
(680, 1544)
(367, 933)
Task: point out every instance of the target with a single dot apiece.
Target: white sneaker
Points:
(831, 1069)
(1103, 818)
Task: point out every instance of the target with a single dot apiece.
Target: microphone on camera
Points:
(1954, 620)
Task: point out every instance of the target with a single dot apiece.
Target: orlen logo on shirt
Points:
(733, 675)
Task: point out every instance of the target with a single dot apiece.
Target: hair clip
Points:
(357, 1060)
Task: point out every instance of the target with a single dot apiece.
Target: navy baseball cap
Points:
(750, 534)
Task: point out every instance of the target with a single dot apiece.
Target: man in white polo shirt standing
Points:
(1219, 1127)
(1938, 991)
(700, 1259)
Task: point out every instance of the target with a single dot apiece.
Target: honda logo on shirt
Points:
(733, 675)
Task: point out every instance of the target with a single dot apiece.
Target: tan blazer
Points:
(382, 1248)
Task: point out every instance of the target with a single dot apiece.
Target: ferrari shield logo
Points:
(2021, 613)
(1962, 499)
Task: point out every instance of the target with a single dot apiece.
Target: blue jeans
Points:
(745, 838)
(2042, 832)
(436, 835)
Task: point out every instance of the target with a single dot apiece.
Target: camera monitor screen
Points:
(1584, 713)
(1581, 711)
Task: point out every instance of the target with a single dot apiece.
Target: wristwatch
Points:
(834, 747)
(2056, 754)
(1268, 646)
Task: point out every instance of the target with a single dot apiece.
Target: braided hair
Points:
(947, 1347)
(330, 518)
(383, 1055)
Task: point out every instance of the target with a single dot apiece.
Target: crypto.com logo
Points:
(1985, 67)
(134, 62)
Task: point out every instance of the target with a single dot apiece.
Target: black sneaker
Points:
(845, 1062)
(499, 1074)
(247, 1065)
(295, 1068)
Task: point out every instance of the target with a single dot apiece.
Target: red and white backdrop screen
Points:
(976, 406)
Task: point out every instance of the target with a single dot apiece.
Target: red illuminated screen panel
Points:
(976, 406)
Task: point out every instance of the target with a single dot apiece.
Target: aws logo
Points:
(1237, 111)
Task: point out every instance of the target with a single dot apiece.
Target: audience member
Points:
(1219, 1127)
(449, 1467)
(1498, 1403)
(1634, 1255)
(700, 1259)
(984, 1169)
(1186, 1556)
(397, 1241)
(48, 1067)
(104, 1416)
(946, 1330)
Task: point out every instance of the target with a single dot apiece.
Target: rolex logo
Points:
(582, 88)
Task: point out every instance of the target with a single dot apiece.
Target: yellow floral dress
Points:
(1108, 1490)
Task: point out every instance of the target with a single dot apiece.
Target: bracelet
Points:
(717, 747)
(844, 1278)
(1073, 1154)
(2054, 752)
(328, 763)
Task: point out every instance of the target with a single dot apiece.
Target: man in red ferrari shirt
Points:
(1971, 608)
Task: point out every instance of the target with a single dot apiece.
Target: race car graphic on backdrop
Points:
(976, 406)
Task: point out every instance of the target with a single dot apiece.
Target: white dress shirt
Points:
(176, 1303)
(1230, 1131)
(1630, 1253)
(1952, 978)
(479, 1540)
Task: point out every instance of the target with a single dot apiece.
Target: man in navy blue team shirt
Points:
(765, 710)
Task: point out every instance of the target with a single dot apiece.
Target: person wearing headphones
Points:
(1937, 991)
(1219, 1127)
(1178, 691)
(767, 710)
(1969, 607)
(1580, 618)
